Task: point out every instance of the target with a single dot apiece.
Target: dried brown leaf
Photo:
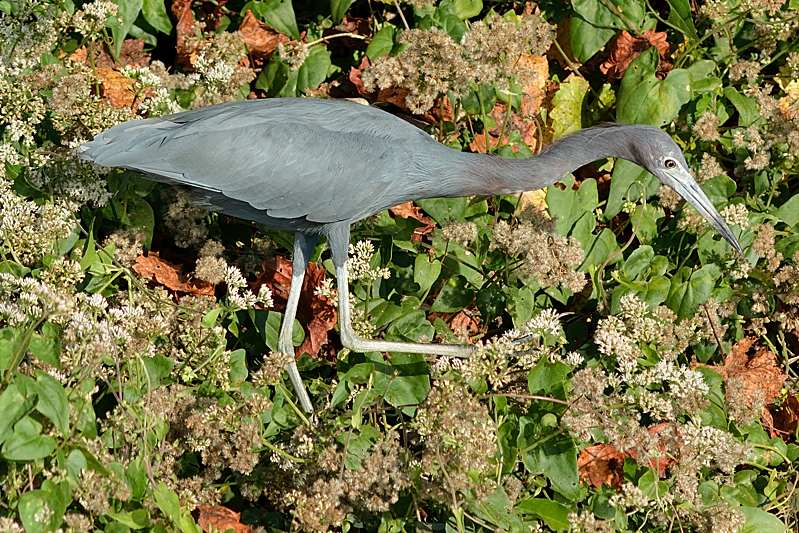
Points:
(534, 71)
(355, 76)
(214, 518)
(758, 379)
(601, 464)
(626, 48)
(186, 30)
(170, 275)
(261, 40)
(465, 324)
(317, 313)
(785, 418)
(131, 54)
(116, 88)
(411, 210)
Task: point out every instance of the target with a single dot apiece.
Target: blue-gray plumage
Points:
(316, 166)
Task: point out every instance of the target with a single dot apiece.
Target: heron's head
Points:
(657, 152)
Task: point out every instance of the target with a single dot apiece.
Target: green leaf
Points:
(546, 377)
(567, 106)
(603, 248)
(466, 9)
(45, 346)
(32, 507)
(168, 502)
(680, 17)
(789, 211)
(585, 39)
(12, 405)
(123, 22)
(444, 210)
(425, 273)
(748, 110)
(52, 402)
(689, 289)
(314, 69)
(409, 383)
(27, 443)
(568, 206)
(719, 189)
(280, 15)
(703, 77)
(137, 519)
(638, 261)
(644, 99)
(759, 521)
(268, 325)
(624, 15)
(557, 460)
(140, 216)
(277, 79)
(338, 8)
(209, 319)
(629, 182)
(411, 326)
(454, 296)
(238, 367)
(9, 337)
(382, 42)
(154, 12)
(644, 219)
(554, 514)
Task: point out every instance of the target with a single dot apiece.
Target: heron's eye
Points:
(670, 163)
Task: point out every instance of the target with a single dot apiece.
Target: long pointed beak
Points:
(688, 188)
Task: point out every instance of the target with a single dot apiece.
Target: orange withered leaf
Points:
(755, 379)
(185, 29)
(626, 48)
(170, 275)
(261, 40)
(601, 464)
(411, 210)
(465, 324)
(785, 418)
(315, 312)
(215, 518)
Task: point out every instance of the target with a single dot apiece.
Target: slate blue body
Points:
(316, 166)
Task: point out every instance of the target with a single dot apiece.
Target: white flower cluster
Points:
(359, 264)
(612, 340)
(156, 99)
(737, 215)
(91, 19)
(73, 179)
(239, 296)
(28, 230)
(713, 446)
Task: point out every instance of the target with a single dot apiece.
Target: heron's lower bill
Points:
(694, 195)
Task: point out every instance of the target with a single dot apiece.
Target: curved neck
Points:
(488, 174)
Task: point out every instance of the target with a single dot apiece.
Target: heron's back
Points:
(282, 161)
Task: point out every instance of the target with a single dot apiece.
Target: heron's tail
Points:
(114, 147)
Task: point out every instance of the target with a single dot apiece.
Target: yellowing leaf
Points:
(567, 105)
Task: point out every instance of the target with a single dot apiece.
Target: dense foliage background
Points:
(632, 372)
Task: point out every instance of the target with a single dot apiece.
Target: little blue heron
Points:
(314, 167)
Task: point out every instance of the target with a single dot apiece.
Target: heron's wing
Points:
(292, 158)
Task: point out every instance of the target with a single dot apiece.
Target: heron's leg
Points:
(358, 344)
(303, 246)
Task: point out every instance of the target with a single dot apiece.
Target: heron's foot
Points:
(359, 344)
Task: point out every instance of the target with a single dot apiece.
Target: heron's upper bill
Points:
(688, 188)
